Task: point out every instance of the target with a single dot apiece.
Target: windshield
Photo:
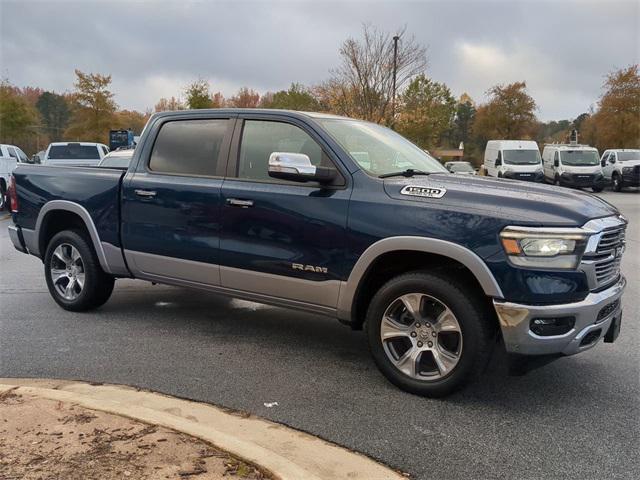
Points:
(379, 150)
(460, 167)
(119, 162)
(521, 157)
(632, 155)
(579, 158)
(74, 152)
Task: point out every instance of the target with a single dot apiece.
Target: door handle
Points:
(237, 202)
(146, 193)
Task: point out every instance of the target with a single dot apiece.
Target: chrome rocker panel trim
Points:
(518, 338)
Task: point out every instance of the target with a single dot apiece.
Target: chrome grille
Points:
(607, 257)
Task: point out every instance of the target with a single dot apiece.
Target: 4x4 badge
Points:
(419, 191)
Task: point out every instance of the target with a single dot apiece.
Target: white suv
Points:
(621, 167)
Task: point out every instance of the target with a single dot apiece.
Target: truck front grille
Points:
(608, 255)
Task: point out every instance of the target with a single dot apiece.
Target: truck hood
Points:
(523, 202)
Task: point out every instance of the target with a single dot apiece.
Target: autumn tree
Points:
(92, 109)
(616, 122)
(130, 120)
(463, 121)
(363, 83)
(245, 98)
(218, 100)
(197, 94)
(427, 110)
(297, 97)
(55, 114)
(509, 114)
(167, 104)
(17, 115)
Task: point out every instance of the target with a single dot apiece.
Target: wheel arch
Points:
(428, 253)
(70, 214)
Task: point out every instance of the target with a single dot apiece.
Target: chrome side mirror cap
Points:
(297, 167)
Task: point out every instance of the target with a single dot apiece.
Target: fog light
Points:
(547, 327)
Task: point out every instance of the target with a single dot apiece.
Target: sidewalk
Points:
(123, 430)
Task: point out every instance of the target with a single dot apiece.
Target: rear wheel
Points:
(427, 335)
(74, 276)
(616, 182)
(3, 196)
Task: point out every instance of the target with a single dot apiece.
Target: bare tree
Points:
(366, 72)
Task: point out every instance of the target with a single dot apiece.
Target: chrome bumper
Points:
(518, 338)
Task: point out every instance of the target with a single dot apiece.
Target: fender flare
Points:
(479, 269)
(65, 205)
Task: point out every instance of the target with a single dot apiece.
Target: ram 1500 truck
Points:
(338, 217)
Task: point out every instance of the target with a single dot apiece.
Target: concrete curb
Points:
(287, 453)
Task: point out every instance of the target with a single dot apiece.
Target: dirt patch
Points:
(44, 439)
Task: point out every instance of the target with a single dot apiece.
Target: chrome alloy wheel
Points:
(421, 336)
(67, 271)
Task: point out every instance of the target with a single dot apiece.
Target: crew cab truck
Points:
(621, 168)
(338, 217)
(573, 165)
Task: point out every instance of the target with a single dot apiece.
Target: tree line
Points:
(361, 86)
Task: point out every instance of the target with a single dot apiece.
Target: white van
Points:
(573, 165)
(516, 159)
(78, 154)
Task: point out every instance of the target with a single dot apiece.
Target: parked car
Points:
(75, 153)
(573, 165)
(38, 158)
(10, 157)
(621, 167)
(117, 158)
(515, 159)
(275, 207)
(460, 168)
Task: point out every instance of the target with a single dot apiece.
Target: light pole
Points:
(395, 71)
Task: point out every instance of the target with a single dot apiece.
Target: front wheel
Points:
(427, 335)
(74, 276)
(597, 189)
(3, 197)
(616, 182)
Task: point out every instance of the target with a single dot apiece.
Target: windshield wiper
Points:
(409, 172)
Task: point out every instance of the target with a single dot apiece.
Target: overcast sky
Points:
(153, 49)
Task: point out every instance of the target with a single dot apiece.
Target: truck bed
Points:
(97, 189)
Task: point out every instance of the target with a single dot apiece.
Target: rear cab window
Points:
(74, 151)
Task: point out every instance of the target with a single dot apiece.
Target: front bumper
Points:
(582, 180)
(587, 331)
(631, 180)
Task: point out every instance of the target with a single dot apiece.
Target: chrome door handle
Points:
(237, 202)
(146, 193)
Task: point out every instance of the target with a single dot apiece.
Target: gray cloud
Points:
(152, 49)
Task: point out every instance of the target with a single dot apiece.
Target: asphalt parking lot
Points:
(578, 417)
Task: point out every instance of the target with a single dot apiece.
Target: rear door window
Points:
(188, 147)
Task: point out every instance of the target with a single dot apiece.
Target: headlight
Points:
(544, 247)
(627, 169)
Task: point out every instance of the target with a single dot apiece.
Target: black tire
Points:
(616, 182)
(596, 189)
(98, 285)
(556, 181)
(477, 331)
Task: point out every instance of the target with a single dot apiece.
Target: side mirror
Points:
(556, 162)
(297, 167)
(498, 162)
(603, 163)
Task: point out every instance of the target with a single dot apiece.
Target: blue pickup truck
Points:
(339, 217)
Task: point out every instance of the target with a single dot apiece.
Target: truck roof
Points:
(204, 111)
(568, 146)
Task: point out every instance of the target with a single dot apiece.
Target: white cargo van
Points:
(573, 165)
(516, 159)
